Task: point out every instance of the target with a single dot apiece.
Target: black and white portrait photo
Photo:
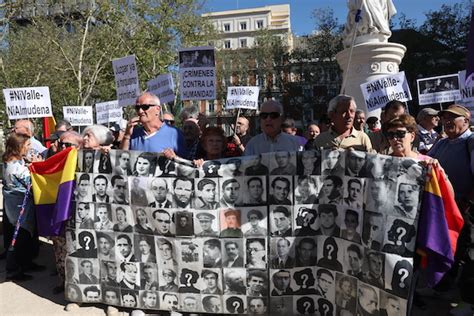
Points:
(256, 191)
(145, 248)
(355, 161)
(376, 195)
(101, 189)
(305, 251)
(83, 191)
(281, 305)
(367, 300)
(391, 305)
(167, 279)
(256, 253)
(354, 193)
(91, 293)
(206, 224)
(235, 281)
(207, 197)
(120, 193)
(103, 220)
(129, 276)
(254, 221)
(304, 281)
(333, 163)
(169, 301)
(87, 244)
(257, 282)
(346, 292)
(122, 163)
(88, 271)
(212, 255)
(256, 165)
(307, 188)
(144, 164)
(138, 191)
(282, 253)
(163, 222)
(257, 305)
(105, 246)
(166, 252)
(309, 162)
(183, 189)
(280, 282)
(374, 268)
(407, 199)
(190, 252)
(283, 163)
(211, 280)
(230, 193)
(281, 190)
(142, 219)
(111, 296)
(85, 215)
(280, 221)
(149, 276)
(373, 230)
(351, 225)
(190, 302)
(122, 218)
(184, 223)
(88, 158)
(306, 220)
(353, 260)
(109, 273)
(331, 190)
(329, 222)
(124, 248)
(231, 168)
(233, 253)
(149, 299)
(159, 187)
(325, 284)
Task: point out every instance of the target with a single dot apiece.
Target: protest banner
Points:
(291, 235)
(163, 87)
(197, 73)
(78, 115)
(438, 89)
(379, 92)
(242, 98)
(108, 112)
(467, 91)
(126, 80)
(27, 102)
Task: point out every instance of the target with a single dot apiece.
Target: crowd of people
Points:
(436, 137)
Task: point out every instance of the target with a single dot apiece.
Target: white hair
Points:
(340, 99)
(100, 132)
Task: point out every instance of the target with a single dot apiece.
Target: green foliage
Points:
(71, 49)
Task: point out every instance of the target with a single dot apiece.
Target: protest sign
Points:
(108, 112)
(126, 80)
(78, 115)
(379, 92)
(28, 102)
(242, 97)
(273, 228)
(438, 89)
(197, 73)
(163, 87)
(467, 91)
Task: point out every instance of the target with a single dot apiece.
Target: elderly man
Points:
(236, 143)
(272, 138)
(427, 119)
(154, 135)
(342, 134)
(26, 127)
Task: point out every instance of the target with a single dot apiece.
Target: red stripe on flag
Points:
(53, 164)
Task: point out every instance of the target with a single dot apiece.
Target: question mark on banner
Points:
(236, 306)
(306, 306)
(401, 231)
(404, 274)
(210, 169)
(87, 241)
(305, 278)
(188, 278)
(326, 309)
(330, 249)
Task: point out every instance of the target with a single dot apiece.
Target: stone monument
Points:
(368, 55)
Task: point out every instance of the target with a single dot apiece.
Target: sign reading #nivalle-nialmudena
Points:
(27, 102)
(79, 115)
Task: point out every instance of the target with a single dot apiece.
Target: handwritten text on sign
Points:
(108, 112)
(126, 80)
(78, 115)
(27, 102)
(162, 86)
(379, 92)
(242, 97)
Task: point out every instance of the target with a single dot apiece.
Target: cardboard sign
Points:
(126, 80)
(197, 73)
(27, 102)
(242, 97)
(108, 112)
(438, 89)
(78, 115)
(163, 87)
(379, 92)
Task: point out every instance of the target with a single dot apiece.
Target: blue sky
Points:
(301, 20)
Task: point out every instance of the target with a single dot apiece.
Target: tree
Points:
(71, 49)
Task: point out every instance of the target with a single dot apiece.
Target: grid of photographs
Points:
(326, 232)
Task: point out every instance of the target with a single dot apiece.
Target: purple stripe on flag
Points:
(433, 237)
(470, 52)
(50, 217)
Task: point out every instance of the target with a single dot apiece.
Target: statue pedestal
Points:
(370, 61)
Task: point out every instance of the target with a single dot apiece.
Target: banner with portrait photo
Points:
(281, 233)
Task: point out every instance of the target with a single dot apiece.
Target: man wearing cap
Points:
(205, 220)
(153, 135)
(427, 119)
(207, 198)
(456, 153)
(271, 139)
(232, 220)
(342, 133)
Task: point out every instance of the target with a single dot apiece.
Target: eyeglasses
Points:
(67, 145)
(169, 122)
(396, 134)
(144, 107)
(272, 115)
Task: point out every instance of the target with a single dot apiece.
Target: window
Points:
(226, 27)
(211, 107)
(243, 42)
(243, 26)
(260, 24)
(226, 44)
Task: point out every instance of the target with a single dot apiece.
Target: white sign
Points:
(438, 89)
(242, 97)
(467, 92)
(27, 102)
(126, 80)
(197, 73)
(379, 92)
(108, 112)
(163, 87)
(78, 115)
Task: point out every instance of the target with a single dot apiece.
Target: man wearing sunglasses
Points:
(153, 135)
(271, 139)
(342, 134)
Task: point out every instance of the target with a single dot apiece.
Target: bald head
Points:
(24, 127)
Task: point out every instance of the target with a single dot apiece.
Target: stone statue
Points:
(374, 21)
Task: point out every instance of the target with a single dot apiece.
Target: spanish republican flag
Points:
(439, 226)
(53, 186)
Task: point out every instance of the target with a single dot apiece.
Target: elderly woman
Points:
(16, 193)
(145, 164)
(99, 137)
